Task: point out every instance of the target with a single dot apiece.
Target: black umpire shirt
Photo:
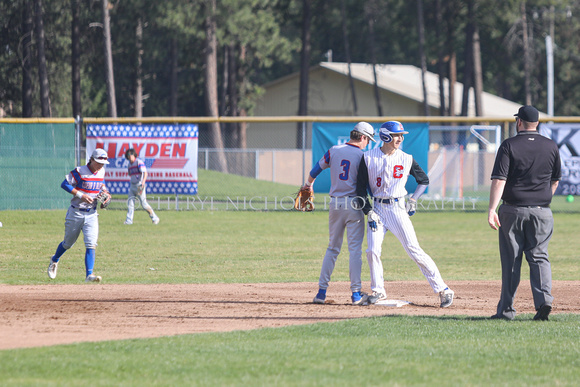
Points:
(529, 162)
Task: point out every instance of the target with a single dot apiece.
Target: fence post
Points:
(78, 136)
(257, 164)
(303, 151)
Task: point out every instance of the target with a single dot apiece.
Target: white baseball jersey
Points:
(136, 170)
(89, 183)
(343, 161)
(388, 174)
(83, 216)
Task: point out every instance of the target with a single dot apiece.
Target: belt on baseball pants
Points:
(83, 209)
(387, 201)
(515, 205)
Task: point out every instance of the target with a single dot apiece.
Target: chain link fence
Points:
(34, 158)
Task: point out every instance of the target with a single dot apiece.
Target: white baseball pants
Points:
(394, 218)
(133, 194)
(78, 220)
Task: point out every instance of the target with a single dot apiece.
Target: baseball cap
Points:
(366, 129)
(100, 156)
(528, 113)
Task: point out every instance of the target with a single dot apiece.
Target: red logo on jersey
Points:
(398, 171)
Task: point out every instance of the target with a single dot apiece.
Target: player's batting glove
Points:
(411, 206)
(374, 220)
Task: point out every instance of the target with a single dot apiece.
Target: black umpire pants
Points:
(524, 230)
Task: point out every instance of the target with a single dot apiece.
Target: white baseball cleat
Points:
(155, 220)
(446, 297)
(375, 297)
(93, 278)
(128, 222)
(52, 267)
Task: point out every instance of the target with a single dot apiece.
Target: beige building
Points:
(456, 170)
(329, 94)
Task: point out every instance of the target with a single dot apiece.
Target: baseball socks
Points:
(53, 265)
(60, 250)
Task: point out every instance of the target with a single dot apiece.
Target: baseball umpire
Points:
(85, 183)
(525, 175)
(343, 161)
(384, 172)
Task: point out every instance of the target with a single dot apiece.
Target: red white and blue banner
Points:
(567, 136)
(169, 153)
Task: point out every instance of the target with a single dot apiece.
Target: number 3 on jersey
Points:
(345, 164)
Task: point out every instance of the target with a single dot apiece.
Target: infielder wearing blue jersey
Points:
(343, 161)
(84, 183)
(384, 172)
(138, 174)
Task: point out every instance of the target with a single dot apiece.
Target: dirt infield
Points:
(32, 316)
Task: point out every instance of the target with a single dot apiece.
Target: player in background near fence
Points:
(138, 174)
(384, 172)
(343, 161)
(84, 183)
(525, 176)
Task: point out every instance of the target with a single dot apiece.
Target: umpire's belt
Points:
(83, 209)
(516, 205)
(386, 201)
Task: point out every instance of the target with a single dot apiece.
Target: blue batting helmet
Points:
(389, 128)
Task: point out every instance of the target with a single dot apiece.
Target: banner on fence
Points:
(327, 134)
(567, 136)
(169, 153)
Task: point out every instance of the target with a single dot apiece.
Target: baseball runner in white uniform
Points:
(138, 174)
(343, 161)
(84, 183)
(384, 173)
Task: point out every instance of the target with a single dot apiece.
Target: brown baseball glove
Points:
(104, 197)
(304, 199)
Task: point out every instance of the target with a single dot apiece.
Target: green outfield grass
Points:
(250, 246)
(381, 351)
(282, 246)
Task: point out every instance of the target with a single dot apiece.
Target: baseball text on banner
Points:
(567, 137)
(169, 153)
(327, 134)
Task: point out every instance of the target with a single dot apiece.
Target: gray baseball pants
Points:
(343, 215)
(524, 230)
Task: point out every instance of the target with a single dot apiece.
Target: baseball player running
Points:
(84, 183)
(138, 174)
(343, 161)
(384, 172)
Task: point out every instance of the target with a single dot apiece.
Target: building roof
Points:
(405, 80)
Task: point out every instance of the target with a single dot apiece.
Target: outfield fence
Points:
(36, 154)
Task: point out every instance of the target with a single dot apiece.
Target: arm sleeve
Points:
(66, 186)
(315, 171)
(419, 174)
(362, 182)
(418, 191)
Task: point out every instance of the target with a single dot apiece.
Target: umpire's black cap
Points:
(528, 113)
